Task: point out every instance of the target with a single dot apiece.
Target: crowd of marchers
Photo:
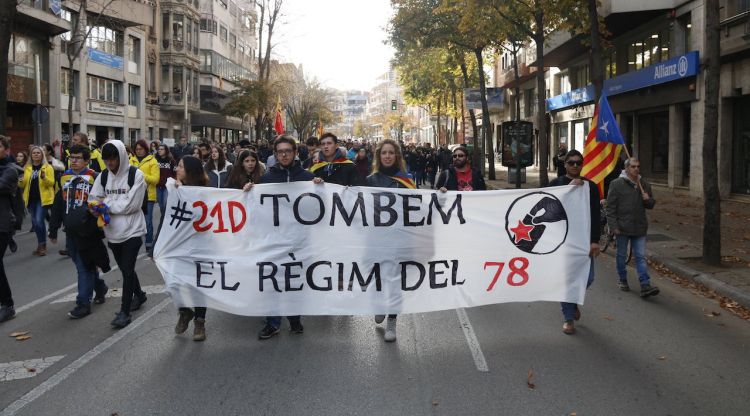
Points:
(105, 196)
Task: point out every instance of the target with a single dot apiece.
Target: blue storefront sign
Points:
(104, 58)
(674, 69)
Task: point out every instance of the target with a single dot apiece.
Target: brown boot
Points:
(41, 250)
(182, 324)
(199, 329)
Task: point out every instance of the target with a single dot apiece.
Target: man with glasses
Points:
(460, 176)
(573, 162)
(627, 201)
(286, 169)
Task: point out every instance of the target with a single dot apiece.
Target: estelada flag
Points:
(603, 145)
(278, 125)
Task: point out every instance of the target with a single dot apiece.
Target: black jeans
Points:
(6, 297)
(125, 254)
(199, 312)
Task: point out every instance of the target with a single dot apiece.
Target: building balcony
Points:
(127, 13)
(174, 101)
(37, 14)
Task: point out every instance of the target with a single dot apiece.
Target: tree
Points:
(271, 9)
(711, 197)
(7, 17)
(362, 129)
(308, 103)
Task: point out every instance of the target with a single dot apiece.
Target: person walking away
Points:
(190, 172)
(84, 238)
(38, 186)
(334, 166)
(461, 176)
(362, 162)
(573, 162)
(627, 201)
(218, 168)
(248, 170)
(389, 171)
(286, 169)
(167, 168)
(8, 186)
(146, 162)
(121, 188)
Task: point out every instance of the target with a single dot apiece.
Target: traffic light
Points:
(393, 105)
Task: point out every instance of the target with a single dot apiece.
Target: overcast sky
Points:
(340, 42)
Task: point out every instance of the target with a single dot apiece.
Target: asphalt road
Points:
(662, 356)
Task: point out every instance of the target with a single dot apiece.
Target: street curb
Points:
(679, 268)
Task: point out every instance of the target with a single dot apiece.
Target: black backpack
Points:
(131, 181)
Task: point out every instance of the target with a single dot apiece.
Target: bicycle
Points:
(607, 237)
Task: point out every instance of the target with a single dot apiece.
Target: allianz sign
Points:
(680, 68)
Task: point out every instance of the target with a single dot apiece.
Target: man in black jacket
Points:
(286, 169)
(573, 164)
(334, 167)
(8, 186)
(461, 176)
(181, 149)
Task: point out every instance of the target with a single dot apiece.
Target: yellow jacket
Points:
(46, 184)
(150, 169)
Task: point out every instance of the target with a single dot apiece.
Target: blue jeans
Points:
(37, 212)
(149, 214)
(569, 309)
(161, 199)
(638, 243)
(88, 280)
(275, 321)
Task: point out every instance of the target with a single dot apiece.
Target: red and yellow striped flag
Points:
(603, 145)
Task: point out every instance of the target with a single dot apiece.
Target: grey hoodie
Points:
(126, 217)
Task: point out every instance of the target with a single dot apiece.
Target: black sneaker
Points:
(296, 327)
(137, 302)
(101, 297)
(267, 332)
(64, 252)
(648, 290)
(79, 312)
(121, 320)
(7, 313)
(623, 285)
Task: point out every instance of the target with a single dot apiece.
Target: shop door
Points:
(741, 147)
(653, 148)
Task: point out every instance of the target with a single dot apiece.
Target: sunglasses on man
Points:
(574, 162)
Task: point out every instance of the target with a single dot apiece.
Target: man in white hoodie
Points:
(121, 187)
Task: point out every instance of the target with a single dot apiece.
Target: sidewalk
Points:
(675, 234)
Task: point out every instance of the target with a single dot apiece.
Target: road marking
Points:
(59, 292)
(16, 370)
(471, 339)
(113, 293)
(76, 365)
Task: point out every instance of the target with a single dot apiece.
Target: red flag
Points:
(600, 157)
(278, 125)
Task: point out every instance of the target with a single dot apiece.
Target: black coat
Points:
(449, 179)
(596, 214)
(279, 174)
(381, 180)
(8, 187)
(339, 173)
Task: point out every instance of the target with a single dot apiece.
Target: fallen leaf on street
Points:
(662, 358)
(609, 318)
(530, 380)
(18, 334)
(574, 414)
(435, 403)
(23, 337)
(31, 370)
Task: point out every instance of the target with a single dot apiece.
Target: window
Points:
(223, 33)
(735, 7)
(21, 53)
(649, 50)
(134, 54)
(105, 40)
(103, 89)
(165, 78)
(189, 33)
(177, 29)
(151, 76)
(564, 83)
(65, 82)
(195, 86)
(581, 76)
(610, 65)
(223, 3)
(165, 26)
(205, 25)
(134, 95)
(177, 80)
(232, 40)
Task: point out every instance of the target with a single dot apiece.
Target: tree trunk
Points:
(7, 17)
(541, 106)
(439, 106)
(260, 43)
(516, 79)
(711, 198)
(595, 55)
(465, 74)
(486, 138)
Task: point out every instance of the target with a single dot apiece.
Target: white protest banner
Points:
(306, 249)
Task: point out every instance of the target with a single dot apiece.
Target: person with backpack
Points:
(121, 188)
(8, 185)
(83, 237)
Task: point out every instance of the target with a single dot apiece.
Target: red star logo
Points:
(522, 232)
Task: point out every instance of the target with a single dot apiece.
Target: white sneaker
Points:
(379, 319)
(390, 330)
